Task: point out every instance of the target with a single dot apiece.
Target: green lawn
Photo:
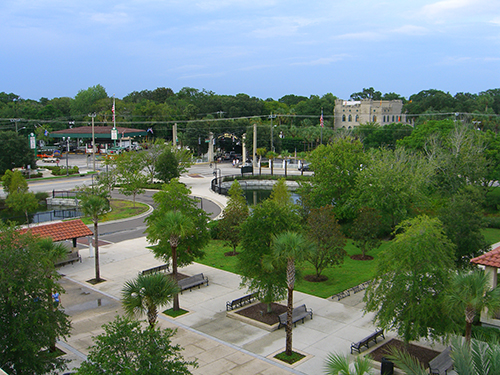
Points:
(345, 276)
(120, 209)
(349, 274)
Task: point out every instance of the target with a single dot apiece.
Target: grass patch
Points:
(174, 314)
(120, 209)
(290, 359)
(491, 235)
(345, 276)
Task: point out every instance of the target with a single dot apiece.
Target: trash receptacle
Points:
(387, 367)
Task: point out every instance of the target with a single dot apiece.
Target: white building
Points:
(351, 113)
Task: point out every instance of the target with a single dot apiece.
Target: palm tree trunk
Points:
(272, 165)
(290, 280)
(289, 312)
(96, 246)
(174, 274)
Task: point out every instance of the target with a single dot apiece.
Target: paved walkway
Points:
(220, 344)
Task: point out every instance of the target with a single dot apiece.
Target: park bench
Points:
(366, 341)
(299, 313)
(238, 302)
(71, 258)
(192, 281)
(441, 363)
(344, 294)
(163, 267)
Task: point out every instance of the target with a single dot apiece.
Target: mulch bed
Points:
(424, 355)
(361, 257)
(259, 312)
(314, 279)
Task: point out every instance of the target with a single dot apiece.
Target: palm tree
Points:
(271, 155)
(336, 364)
(146, 293)
(176, 226)
(471, 292)
(289, 246)
(261, 152)
(94, 202)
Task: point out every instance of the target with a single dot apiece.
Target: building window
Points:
(392, 118)
(374, 118)
(350, 118)
(357, 118)
(343, 118)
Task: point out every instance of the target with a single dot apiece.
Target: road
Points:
(135, 227)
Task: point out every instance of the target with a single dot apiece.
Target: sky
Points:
(263, 48)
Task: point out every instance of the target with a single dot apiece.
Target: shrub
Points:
(60, 171)
(492, 222)
(213, 228)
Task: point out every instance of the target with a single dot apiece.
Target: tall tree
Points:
(177, 228)
(335, 166)
(289, 247)
(268, 219)
(29, 321)
(394, 183)
(146, 293)
(94, 202)
(366, 229)
(150, 156)
(471, 293)
(19, 199)
(16, 152)
(234, 214)
(125, 348)
(86, 100)
(462, 219)
(325, 232)
(129, 171)
(412, 276)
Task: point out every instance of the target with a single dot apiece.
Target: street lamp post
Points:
(67, 155)
(93, 139)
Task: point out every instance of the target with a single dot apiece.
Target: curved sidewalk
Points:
(220, 344)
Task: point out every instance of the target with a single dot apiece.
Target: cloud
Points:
(322, 60)
(363, 35)
(444, 7)
(282, 26)
(111, 18)
(411, 30)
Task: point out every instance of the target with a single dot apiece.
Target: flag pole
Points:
(321, 122)
(114, 118)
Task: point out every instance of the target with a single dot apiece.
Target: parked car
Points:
(305, 167)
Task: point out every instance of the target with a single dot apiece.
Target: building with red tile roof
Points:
(491, 263)
(66, 230)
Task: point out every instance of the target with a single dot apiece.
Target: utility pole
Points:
(254, 156)
(272, 140)
(93, 139)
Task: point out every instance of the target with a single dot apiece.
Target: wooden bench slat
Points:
(366, 341)
(238, 302)
(441, 363)
(192, 281)
(298, 313)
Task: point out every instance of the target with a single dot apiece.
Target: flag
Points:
(150, 130)
(113, 110)
(321, 120)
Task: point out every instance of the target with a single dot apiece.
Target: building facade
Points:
(351, 113)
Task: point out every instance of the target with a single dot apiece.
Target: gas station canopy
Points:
(100, 132)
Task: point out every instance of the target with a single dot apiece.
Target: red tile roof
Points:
(66, 230)
(491, 258)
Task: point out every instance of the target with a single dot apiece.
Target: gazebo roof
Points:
(491, 258)
(101, 132)
(65, 230)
